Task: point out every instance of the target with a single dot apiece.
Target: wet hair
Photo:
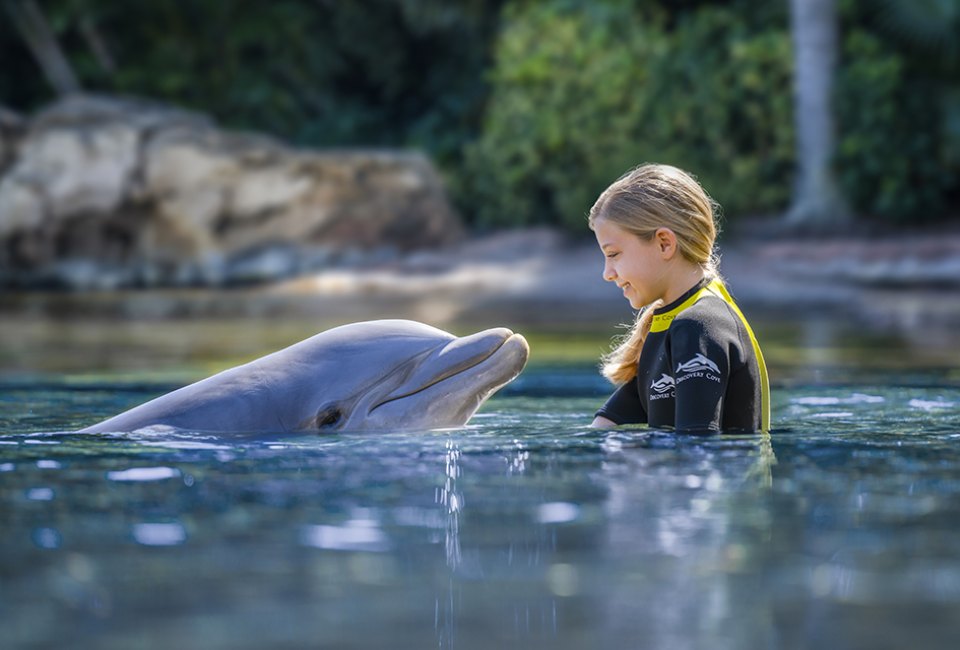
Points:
(640, 202)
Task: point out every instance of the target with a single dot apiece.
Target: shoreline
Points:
(816, 323)
(893, 281)
(540, 276)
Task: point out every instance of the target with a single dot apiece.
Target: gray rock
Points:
(143, 194)
(11, 127)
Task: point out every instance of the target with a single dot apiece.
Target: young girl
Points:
(691, 361)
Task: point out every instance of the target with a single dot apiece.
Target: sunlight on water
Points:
(523, 529)
(144, 474)
(159, 534)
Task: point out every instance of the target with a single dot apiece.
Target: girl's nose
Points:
(608, 273)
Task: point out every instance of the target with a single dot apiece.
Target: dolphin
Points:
(367, 376)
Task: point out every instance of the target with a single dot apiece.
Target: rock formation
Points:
(10, 127)
(100, 192)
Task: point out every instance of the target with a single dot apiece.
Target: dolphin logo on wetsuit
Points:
(697, 364)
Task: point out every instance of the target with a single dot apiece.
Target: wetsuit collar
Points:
(682, 299)
(663, 316)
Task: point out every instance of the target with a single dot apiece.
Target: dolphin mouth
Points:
(466, 354)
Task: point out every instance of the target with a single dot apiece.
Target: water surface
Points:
(524, 529)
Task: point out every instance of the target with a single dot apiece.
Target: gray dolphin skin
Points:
(369, 376)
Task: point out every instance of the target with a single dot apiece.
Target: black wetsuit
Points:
(700, 371)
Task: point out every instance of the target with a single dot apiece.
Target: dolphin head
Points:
(396, 374)
(375, 375)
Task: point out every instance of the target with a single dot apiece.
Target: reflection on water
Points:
(524, 529)
(181, 337)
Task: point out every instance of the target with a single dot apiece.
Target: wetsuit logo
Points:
(662, 385)
(698, 364)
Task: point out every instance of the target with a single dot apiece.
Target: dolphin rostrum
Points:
(374, 375)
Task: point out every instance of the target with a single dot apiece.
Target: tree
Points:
(817, 200)
(33, 26)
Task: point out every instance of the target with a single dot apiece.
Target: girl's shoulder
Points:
(709, 315)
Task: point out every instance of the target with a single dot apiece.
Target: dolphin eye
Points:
(329, 416)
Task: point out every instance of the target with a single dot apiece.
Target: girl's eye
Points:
(610, 256)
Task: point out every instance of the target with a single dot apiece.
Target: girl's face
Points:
(638, 266)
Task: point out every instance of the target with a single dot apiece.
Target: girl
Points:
(691, 361)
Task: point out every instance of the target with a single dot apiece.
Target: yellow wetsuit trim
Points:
(661, 322)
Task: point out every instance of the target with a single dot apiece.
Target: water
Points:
(524, 529)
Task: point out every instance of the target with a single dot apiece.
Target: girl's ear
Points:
(666, 240)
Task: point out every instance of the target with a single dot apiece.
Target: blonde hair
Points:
(641, 201)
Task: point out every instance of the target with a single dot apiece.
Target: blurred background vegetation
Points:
(531, 107)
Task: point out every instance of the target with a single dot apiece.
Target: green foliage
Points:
(561, 113)
(375, 73)
(891, 159)
(615, 86)
(927, 27)
(724, 104)
(532, 107)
